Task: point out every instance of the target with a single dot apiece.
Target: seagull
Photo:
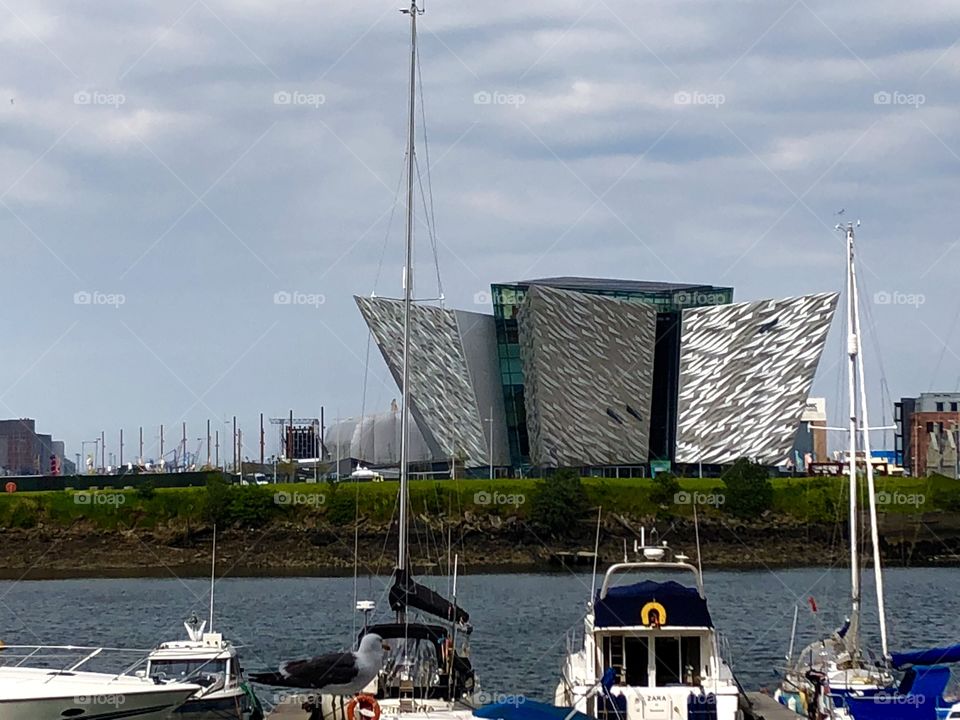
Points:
(335, 673)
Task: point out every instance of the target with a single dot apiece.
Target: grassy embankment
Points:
(813, 500)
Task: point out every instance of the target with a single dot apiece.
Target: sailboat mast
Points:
(865, 435)
(407, 298)
(853, 342)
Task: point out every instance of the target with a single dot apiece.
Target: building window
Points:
(953, 406)
(939, 407)
(929, 427)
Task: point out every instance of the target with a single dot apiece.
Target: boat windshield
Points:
(676, 660)
(411, 660)
(194, 670)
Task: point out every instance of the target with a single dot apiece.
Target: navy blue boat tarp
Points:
(624, 605)
(932, 656)
(919, 697)
(527, 710)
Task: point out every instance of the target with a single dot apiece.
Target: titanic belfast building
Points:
(598, 373)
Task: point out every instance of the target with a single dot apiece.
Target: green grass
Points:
(807, 499)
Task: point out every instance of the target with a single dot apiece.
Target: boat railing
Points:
(66, 658)
(646, 566)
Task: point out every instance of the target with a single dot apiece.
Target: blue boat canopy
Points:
(652, 604)
(932, 656)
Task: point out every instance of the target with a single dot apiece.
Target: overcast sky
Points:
(166, 169)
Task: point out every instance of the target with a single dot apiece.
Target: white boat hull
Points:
(43, 694)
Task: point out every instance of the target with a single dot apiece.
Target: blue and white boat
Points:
(652, 647)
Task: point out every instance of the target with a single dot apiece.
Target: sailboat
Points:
(426, 672)
(839, 664)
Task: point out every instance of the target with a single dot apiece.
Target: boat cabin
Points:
(208, 661)
(422, 663)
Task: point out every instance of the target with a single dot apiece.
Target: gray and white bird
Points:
(335, 673)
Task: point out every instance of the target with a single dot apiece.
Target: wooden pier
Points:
(766, 708)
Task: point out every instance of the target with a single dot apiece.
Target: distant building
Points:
(607, 374)
(25, 452)
(928, 433)
(811, 442)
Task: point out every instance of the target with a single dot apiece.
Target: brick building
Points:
(928, 433)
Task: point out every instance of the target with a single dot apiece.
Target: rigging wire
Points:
(943, 350)
(431, 214)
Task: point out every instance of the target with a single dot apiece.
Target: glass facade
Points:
(669, 299)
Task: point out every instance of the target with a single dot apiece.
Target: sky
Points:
(191, 192)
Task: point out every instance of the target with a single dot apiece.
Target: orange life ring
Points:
(10, 487)
(369, 707)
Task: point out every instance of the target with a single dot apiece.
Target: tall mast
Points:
(407, 297)
(865, 435)
(853, 350)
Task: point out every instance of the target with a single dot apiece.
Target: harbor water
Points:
(521, 621)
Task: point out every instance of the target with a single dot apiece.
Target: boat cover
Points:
(406, 592)
(919, 697)
(527, 710)
(931, 656)
(631, 605)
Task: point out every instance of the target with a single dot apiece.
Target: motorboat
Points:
(207, 660)
(650, 650)
(35, 692)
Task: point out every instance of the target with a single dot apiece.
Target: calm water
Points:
(521, 621)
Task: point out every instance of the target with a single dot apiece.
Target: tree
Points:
(558, 503)
(665, 489)
(749, 492)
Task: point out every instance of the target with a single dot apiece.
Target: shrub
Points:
(665, 489)
(748, 492)
(558, 502)
(245, 505)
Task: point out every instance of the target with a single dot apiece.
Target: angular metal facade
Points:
(588, 368)
(452, 395)
(745, 372)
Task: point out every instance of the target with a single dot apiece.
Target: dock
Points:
(766, 708)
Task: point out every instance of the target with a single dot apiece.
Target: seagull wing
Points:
(316, 673)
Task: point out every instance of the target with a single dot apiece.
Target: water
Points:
(521, 620)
